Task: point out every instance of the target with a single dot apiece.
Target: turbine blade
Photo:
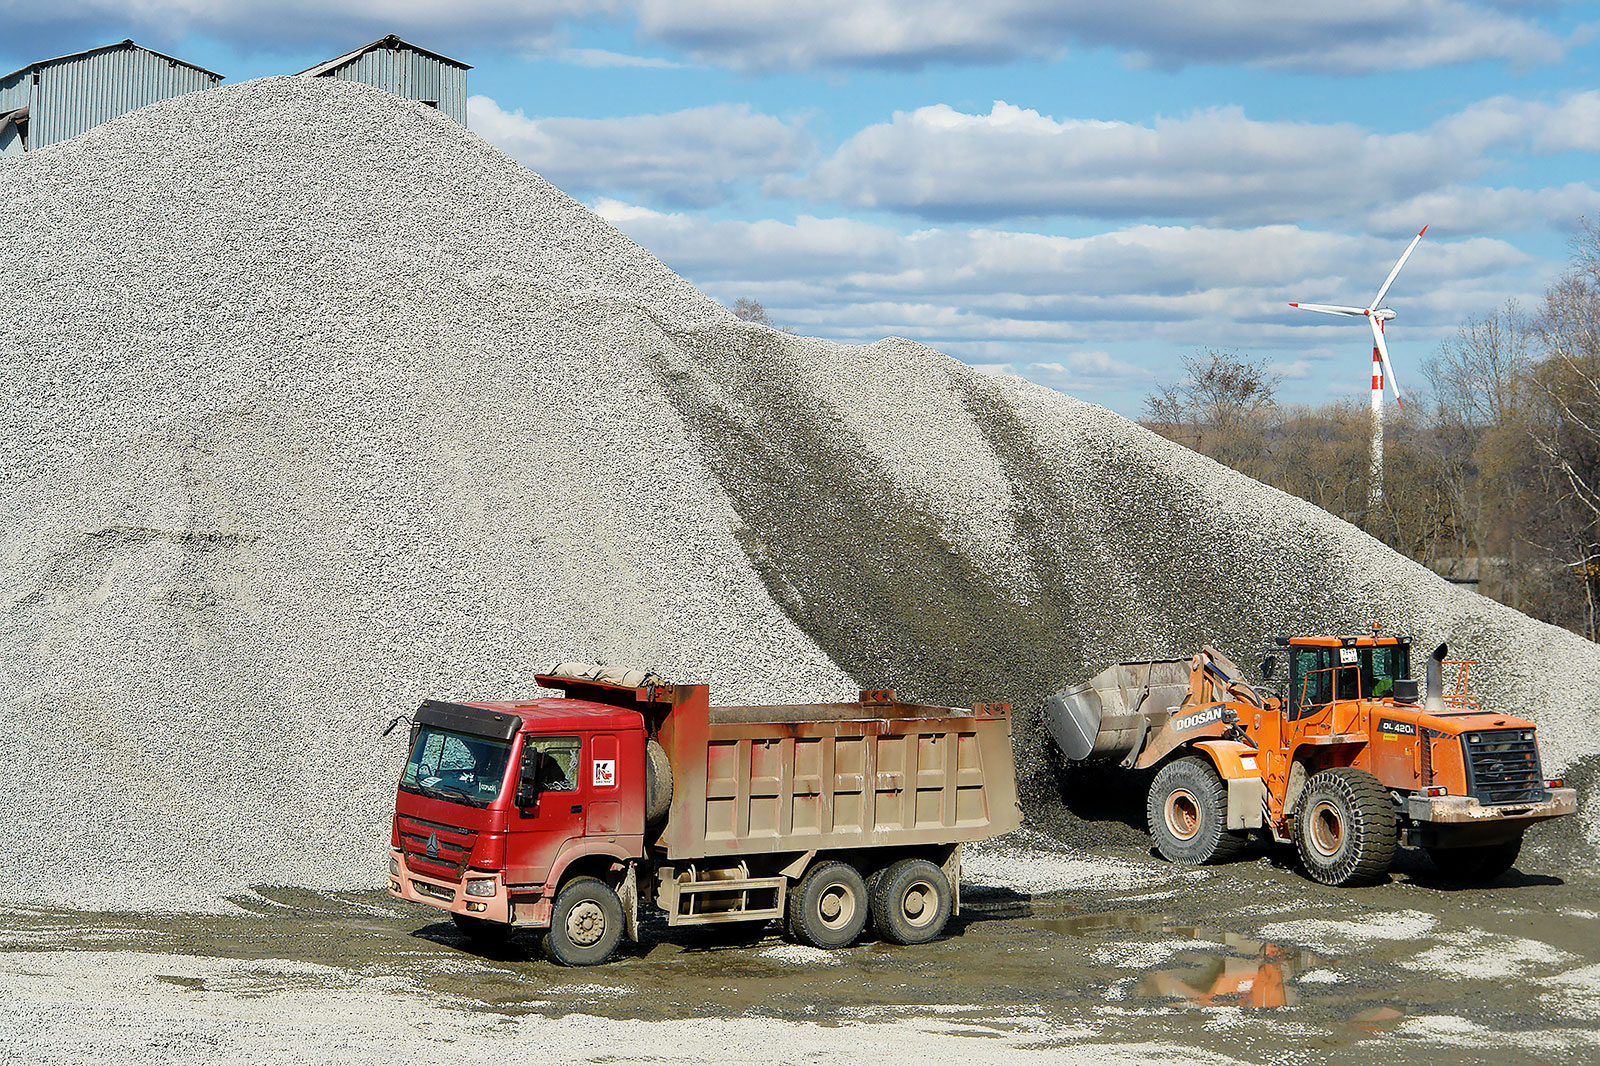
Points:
(1383, 354)
(1331, 309)
(1378, 299)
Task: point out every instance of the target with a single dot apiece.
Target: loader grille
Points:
(1503, 766)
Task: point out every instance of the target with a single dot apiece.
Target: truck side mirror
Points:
(528, 778)
(1269, 666)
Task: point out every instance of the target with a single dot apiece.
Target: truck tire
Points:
(910, 901)
(585, 923)
(828, 908)
(1478, 864)
(1187, 811)
(1345, 827)
(657, 783)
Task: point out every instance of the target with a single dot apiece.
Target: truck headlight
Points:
(480, 887)
(394, 866)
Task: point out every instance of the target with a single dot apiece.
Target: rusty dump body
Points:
(1349, 750)
(628, 789)
(875, 773)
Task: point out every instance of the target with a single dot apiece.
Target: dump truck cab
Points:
(1347, 760)
(504, 794)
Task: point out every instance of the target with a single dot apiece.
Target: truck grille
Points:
(1502, 767)
(453, 845)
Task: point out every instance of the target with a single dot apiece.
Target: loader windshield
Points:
(1322, 674)
(456, 766)
(1381, 667)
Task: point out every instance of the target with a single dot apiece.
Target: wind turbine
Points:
(1376, 316)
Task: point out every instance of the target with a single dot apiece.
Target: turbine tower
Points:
(1376, 316)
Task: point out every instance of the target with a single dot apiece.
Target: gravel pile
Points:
(316, 405)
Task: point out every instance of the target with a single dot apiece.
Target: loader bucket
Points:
(1107, 718)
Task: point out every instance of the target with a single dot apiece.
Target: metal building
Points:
(405, 70)
(54, 99)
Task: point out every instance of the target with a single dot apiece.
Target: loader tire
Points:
(910, 901)
(1345, 827)
(585, 923)
(1188, 814)
(828, 908)
(1476, 865)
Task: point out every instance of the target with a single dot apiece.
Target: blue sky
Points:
(1078, 193)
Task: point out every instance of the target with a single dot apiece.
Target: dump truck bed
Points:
(875, 773)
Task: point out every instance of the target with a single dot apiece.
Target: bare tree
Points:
(1221, 408)
(751, 311)
(1566, 431)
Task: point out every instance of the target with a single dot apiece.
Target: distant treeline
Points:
(1495, 476)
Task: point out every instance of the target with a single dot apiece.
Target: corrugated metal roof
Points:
(391, 41)
(106, 48)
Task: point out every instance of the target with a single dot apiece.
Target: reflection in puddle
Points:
(1223, 969)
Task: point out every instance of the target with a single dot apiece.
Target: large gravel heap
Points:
(315, 405)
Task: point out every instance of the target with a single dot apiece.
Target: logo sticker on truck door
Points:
(605, 772)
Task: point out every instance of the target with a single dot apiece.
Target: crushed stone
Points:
(318, 405)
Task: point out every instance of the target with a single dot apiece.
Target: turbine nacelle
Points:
(1376, 316)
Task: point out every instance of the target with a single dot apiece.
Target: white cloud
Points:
(1358, 36)
(762, 35)
(694, 157)
(1216, 166)
(601, 59)
(280, 24)
(1068, 311)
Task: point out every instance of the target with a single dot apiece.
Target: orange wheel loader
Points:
(1348, 761)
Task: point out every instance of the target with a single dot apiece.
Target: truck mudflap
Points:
(449, 896)
(1466, 810)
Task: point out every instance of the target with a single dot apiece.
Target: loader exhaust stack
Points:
(1434, 702)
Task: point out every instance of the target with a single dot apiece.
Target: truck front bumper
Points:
(1462, 820)
(451, 896)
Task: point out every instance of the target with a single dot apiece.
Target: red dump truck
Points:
(562, 814)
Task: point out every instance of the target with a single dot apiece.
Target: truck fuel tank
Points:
(1107, 718)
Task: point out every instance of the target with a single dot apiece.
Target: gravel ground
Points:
(315, 405)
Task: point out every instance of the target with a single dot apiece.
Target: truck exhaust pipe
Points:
(1434, 703)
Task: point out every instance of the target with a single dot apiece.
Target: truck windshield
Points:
(456, 766)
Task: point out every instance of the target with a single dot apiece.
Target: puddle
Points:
(1222, 969)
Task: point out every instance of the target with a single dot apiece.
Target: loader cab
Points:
(1323, 670)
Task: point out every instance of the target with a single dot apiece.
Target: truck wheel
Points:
(828, 908)
(910, 901)
(1188, 814)
(585, 923)
(1345, 828)
(1473, 865)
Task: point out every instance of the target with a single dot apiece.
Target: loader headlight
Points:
(483, 887)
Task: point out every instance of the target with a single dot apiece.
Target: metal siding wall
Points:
(453, 92)
(413, 76)
(14, 93)
(83, 92)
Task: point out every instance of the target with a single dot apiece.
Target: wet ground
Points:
(1062, 952)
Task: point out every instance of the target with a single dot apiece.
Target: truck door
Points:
(553, 813)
